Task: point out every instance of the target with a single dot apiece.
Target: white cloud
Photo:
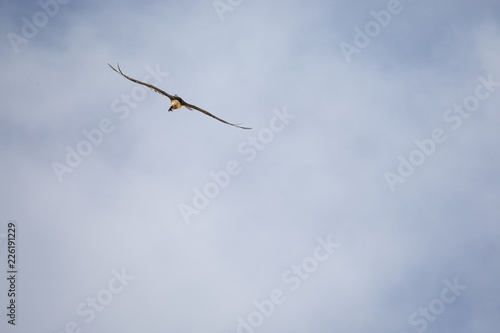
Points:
(323, 175)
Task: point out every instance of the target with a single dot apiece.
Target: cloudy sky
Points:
(365, 198)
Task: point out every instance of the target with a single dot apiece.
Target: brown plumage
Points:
(175, 100)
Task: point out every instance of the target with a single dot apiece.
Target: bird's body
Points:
(175, 101)
(176, 104)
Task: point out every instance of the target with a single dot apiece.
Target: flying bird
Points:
(175, 100)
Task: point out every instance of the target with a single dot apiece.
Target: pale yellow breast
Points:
(176, 104)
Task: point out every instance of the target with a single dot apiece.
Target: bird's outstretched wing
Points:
(150, 86)
(190, 106)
